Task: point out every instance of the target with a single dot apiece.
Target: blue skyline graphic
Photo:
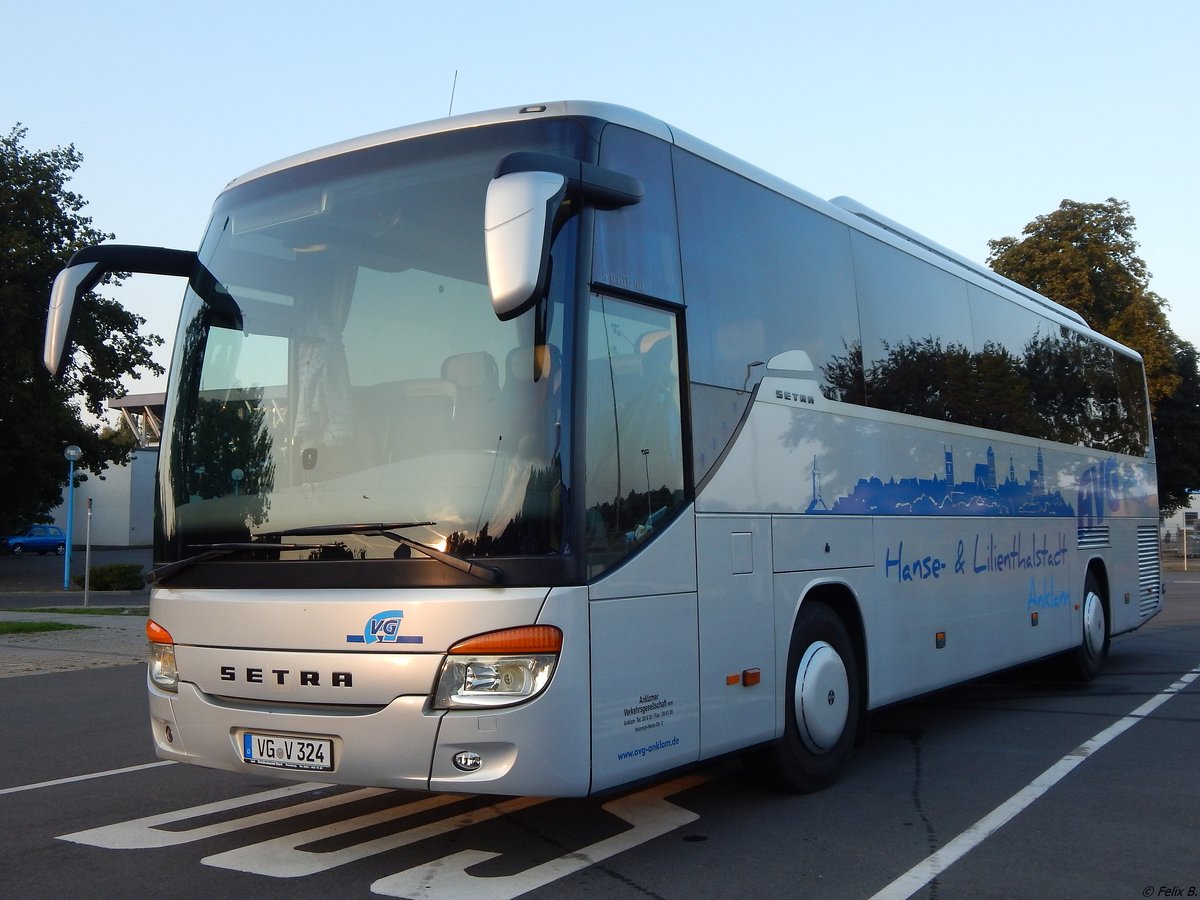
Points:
(982, 495)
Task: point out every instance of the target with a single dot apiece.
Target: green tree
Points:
(1176, 427)
(41, 225)
(1083, 256)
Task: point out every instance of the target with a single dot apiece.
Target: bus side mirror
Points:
(84, 271)
(520, 214)
(69, 286)
(517, 221)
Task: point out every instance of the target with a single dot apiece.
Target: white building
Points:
(122, 511)
(1181, 527)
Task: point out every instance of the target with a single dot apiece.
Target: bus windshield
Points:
(338, 362)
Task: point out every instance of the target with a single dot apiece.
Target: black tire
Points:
(1084, 662)
(821, 707)
(60, 549)
(17, 549)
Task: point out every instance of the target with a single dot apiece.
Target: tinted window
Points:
(636, 246)
(762, 274)
(917, 340)
(1131, 394)
(1004, 334)
(634, 443)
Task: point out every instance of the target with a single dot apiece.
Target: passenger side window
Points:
(635, 478)
(763, 274)
(636, 246)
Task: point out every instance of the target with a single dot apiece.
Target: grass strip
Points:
(34, 627)
(88, 610)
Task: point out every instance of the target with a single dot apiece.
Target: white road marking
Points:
(286, 857)
(447, 879)
(76, 778)
(140, 834)
(283, 858)
(931, 867)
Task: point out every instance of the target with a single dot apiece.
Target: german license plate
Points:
(287, 751)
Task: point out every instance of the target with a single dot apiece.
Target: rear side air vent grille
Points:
(1149, 572)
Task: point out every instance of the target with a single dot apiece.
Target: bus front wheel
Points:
(822, 704)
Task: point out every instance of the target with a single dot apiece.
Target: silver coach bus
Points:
(541, 450)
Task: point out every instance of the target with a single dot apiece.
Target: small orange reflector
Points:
(156, 634)
(1033, 620)
(732, 680)
(512, 641)
(751, 677)
(939, 640)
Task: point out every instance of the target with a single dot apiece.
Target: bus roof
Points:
(844, 209)
(559, 109)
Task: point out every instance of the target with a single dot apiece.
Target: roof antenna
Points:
(453, 85)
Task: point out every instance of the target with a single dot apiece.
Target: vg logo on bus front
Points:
(384, 628)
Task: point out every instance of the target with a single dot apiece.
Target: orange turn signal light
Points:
(528, 639)
(156, 634)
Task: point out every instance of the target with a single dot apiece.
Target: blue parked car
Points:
(39, 538)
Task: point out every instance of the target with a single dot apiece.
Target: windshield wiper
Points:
(361, 528)
(214, 551)
(482, 571)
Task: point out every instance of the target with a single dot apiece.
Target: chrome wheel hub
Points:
(822, 697)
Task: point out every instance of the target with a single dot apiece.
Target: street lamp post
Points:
(87, 555)
(649, 505)
(71, 453)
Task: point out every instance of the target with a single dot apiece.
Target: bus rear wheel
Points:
(1083, 663)
(822, 705)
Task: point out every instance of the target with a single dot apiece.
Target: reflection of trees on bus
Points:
(614, 524)
(536, 528)
(224, 447)
(338, 550)
(230, 452)
(1061, 388)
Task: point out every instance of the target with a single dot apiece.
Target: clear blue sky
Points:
(963, 120)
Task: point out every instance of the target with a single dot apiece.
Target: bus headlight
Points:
(162, 657)
(501, 668)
